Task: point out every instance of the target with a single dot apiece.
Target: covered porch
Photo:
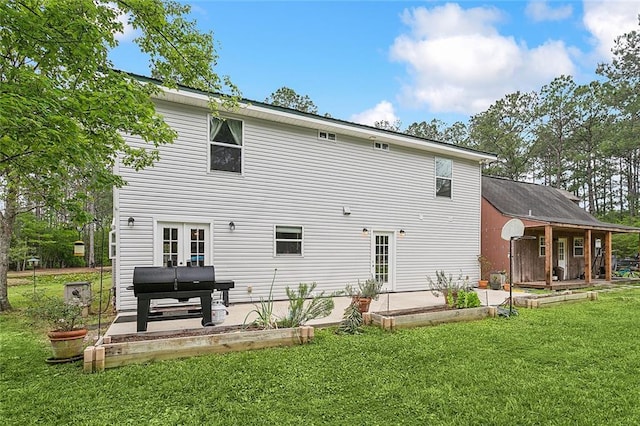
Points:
(564, 256)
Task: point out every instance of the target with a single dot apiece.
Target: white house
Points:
(322, 200)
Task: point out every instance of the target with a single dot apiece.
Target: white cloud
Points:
(383, 111)
(128, 32)
(539, 10)
(459, 62)
(606, 20)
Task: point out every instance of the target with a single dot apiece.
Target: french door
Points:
(183, 244)
(382, 259)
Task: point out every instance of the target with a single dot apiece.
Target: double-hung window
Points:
(444, 177)
(542, 247)
(225, 144)
(578, 246)
(288, 240)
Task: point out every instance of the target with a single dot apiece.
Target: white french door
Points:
(382, 259)
(183, 244)
(562, 256)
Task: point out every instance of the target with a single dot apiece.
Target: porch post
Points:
(548, 258)
(607, 256)
(587, 256)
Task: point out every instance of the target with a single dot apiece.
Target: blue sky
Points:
(411, 61)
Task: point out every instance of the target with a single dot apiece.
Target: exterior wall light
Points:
(232, 226)
(365, 232)
(130, 221)
(402, 233)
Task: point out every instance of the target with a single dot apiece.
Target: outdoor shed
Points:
(569, 244)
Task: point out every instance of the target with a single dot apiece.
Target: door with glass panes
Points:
(182, 244)
(382, 262)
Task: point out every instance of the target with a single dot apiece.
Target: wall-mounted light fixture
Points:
(232, 226)
(365, 232)
(130, 221)
(402, 233)
(346, 210)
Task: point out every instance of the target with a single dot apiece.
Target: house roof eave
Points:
(249, 108)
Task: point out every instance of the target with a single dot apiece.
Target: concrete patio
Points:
(125, 323)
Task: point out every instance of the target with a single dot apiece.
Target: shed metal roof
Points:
(541, 203)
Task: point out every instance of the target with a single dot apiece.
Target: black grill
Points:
(181, 283)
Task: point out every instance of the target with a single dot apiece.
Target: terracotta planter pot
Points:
(67, 344)
(483, 283)
(363, 303)
(505, 287)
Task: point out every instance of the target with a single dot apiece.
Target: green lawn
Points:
(571, 364)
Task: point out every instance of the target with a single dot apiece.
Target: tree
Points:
(387, 125)
(558, 113)
(288, 98)
(506, 129)
(623, 94)
(63, 109)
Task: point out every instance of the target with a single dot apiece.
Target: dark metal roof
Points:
(308, 114)
(541, 203)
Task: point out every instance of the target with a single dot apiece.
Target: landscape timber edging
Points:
(537, 301)
(398, 321)
(109, 355)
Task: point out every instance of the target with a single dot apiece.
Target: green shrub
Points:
(468, 299)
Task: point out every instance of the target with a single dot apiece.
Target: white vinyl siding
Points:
(289, 177)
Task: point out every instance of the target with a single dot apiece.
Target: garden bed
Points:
(539, 300)
(146, 347)
(427, 316)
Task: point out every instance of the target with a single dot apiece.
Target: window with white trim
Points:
(444, 177)
(381, 146)
(288, 240)
(326, 135)
(225, 144)
(112, 244)
(578, 246)
(542, 247)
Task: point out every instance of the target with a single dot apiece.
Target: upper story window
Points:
(444, 174)
(578, 246)
(542, 247)
(381, 146)
(326, 135)
(225, 144)
(288, 240)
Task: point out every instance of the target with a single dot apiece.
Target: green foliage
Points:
(445, 285)
(288, 98)
(351, 320)
(467, 299)
(64, 110)
(305, 306)
(584, 374)
(264, 310)
(60, 315)
(369, 288)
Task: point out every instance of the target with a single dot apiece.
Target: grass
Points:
(570, 364)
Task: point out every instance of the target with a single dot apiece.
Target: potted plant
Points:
(66, 322)
(485, 267)
(366, 292)
(497, 280)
